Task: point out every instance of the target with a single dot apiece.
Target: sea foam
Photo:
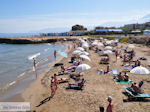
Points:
(33, 56)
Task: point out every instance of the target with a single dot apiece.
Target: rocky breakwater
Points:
(140, 40)
(34, 40)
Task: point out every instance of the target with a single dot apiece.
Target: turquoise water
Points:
(16, 62)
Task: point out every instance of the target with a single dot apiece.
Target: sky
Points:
(22, 16)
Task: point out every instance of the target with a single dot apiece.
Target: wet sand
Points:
(95, 92)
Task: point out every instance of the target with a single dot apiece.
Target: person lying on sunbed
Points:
(62, 80)
(66, 70)
(136, 89)
(75, 75)
(77, 85)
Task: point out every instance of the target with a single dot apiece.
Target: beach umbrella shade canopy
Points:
(85, 57)
(108, 52)
(100, 44)
(76, 52)
(94, 43)
(101, 38)
(63, 54)
(108, 42)
(80, 48)
(82, 41)
(140, 70)
(82, 68)
(84, 53)
(131, 46)
(85, 45)
(108, 48)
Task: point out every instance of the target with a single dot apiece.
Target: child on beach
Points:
(55, 52)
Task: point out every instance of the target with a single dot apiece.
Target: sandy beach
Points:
(97, 88)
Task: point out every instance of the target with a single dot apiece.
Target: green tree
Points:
(78, 27)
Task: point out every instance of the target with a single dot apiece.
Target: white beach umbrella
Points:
(108, 48)
(84, 53)
(80, 48)
(140, 70)
(82, 67)
(100, 44)
(85, 45)
(108, 42)
(76, 52)
(131, 46)
(95, 43)
(116, 40)
(108, 52)
(101, 38)
(85, 57)
(82, 41)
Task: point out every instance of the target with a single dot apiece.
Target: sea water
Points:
(16, 65)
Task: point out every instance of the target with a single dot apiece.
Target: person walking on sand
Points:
(116, 53)
(110, 105)
(52, 86)
(55, 82)
(35, 67)
(55, 52)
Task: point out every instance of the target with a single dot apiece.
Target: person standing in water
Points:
(55, 54)
(35, 67)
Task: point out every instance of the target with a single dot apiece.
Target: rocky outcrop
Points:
(140, 40)
(32, 41)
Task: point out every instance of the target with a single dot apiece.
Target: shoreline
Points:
(17, 96)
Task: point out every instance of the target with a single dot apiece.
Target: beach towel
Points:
(123, 82)
(114, 72)
(127, 89)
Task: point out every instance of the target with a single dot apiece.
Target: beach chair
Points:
(132, 96)
(126, 69)
(115, 73)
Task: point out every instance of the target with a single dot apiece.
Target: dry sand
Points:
(94, 94)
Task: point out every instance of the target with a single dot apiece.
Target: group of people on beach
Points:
(127, 56)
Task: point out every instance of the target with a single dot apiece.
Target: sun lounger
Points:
(126, 69)
(131, 95)
(123, 82)
(114, 72)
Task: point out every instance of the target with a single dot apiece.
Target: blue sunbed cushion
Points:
(114, 72)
